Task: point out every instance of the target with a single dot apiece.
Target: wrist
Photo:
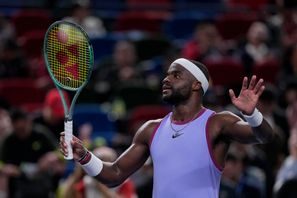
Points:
(255, 119)
(85, 158)
(93, 166)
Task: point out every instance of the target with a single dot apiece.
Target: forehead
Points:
(175, 67)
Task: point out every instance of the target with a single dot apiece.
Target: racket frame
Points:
(59, 86)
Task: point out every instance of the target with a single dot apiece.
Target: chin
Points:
(168, 99)
(166, 96)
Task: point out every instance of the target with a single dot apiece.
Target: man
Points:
(29, 159)
(188, 146)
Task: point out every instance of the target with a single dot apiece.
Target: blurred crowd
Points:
(134, 42)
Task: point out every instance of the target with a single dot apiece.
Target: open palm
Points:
(248, 96)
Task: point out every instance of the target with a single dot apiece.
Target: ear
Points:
(196, 86)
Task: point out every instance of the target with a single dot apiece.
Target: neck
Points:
(182, 113)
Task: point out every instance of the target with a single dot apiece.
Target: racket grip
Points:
(68, 137)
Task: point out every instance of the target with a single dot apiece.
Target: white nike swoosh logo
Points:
(175, 135)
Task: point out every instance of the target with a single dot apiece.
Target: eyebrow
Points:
(174, 72)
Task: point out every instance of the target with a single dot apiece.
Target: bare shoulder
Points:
(226, 115)
(221, 119)
(145, 132)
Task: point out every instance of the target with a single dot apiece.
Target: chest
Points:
(188, 146)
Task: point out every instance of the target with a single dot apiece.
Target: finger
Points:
(262, 88)
(64, 152)
(258, 85)
(252, 82)
(245, 83)
(63, 148)
(232, 94)
(63, 145)
(62, 138)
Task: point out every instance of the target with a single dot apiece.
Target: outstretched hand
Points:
(248, 97)
(77, 146)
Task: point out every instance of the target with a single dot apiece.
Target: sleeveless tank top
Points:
(183, 163)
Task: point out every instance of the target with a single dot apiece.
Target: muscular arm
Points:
(131, 160)
(237, 129)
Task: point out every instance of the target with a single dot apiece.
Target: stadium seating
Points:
(29, 20)
(31, 44)
(93, 114)
(143, 113)
(23, 93)
(225, 72)
(145, 21)
(103, 46)
(182, 25)
(136, 95)
(234, 25)
(267, 70)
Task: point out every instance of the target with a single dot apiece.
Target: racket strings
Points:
(68, 55)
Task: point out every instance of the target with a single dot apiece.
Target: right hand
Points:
(77, 146)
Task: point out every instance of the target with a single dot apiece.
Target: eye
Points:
(176, 75)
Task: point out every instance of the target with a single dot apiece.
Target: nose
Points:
(165, 80)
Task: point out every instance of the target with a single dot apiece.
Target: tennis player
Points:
(182, 146)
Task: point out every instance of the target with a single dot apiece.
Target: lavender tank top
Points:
(183, 165)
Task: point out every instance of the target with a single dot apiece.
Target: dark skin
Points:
(188, 91)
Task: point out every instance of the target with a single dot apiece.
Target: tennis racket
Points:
(69, 60)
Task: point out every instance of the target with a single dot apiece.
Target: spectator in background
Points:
(12, 63)
(5, 121)
(29, 160)
(5, 129)
(121, 69)
(288, 102)
(288, 93)
(291, 113)
(52, 115)
(289, 24)
(240, 179)
(273, 114)
(288, 169)
(80, 185)
(143, 180)
(278, 148)
(80, 14)
(205, 44)
(289, 68)
(6, 29)
(256, 50)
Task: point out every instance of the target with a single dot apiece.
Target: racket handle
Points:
(68, 137)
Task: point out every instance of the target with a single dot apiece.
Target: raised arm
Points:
(255, 129)
(113, 174)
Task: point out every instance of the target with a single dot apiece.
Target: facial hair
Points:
(177, 95)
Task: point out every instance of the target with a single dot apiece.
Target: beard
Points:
(177, 96)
